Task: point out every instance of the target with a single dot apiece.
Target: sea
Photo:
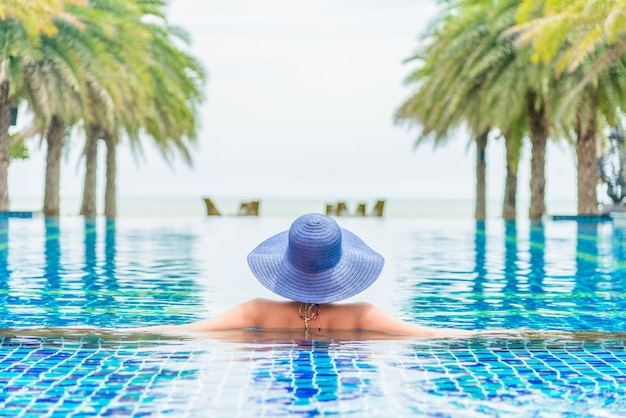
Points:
(291, 206)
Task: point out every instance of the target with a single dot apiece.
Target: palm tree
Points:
(539, 128)
(21, 27)
(579, 37)
(16, 49)
(39, 16)
(515, 97)
(150, 91)
(598, 105)
(472, 75)
(441, 105)
(175, 81)
(55, 87)
(51, 88)
(55, 143)
(161, 89)
(572, 32)
(111, 86)
(513, 146)
(92, 135)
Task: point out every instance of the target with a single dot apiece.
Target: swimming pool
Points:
(141, 271)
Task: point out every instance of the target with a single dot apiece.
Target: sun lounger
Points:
(211, 209)
(378, 208)
(360, 210)
(250, 208)
(342, 209)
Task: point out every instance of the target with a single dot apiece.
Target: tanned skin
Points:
(269, 314)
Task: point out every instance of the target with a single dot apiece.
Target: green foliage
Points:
(570, 32)
(117, 66)
(39, 16)
(470, 73)
(18, 151)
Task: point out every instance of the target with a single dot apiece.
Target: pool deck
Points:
(603, 217)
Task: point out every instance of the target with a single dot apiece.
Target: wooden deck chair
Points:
(342, 209)
(378, 208)
(360, 210)
(211, 209)
(249, 208)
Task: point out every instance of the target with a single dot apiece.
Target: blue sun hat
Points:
(315, 261)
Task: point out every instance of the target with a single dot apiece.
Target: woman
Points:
(314, 264)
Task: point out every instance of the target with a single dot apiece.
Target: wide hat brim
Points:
(356, 270)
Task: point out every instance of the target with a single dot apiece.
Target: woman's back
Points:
(274, 314)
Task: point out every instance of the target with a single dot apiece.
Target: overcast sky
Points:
(299, 102)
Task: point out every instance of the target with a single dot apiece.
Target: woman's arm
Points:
(238, 317)
(375, 319)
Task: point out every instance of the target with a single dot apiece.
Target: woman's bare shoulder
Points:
(355, 308)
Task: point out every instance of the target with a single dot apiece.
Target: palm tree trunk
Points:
(538, 138)
(509, 205)
(586, 159)
(110, 193)
(88, 208)
(481, 181)
(54, 139)
(5, 116)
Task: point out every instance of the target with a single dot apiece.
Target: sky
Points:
(299, 102)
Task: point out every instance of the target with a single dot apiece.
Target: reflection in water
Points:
(127, 274)
(480, 270)
(618, 244)
(510, 305)
(109, 248)
(99, 288)
(123, 375)
(147, 277)
(312, 377)
(90, 275)
(586, 259)
(537, 245)
(586, 278)
(52, 293)
(90, 246)
(52, 251)
(536, 275)
(4, 247)
(88, 376)
(5, 273)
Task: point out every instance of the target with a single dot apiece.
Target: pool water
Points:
(69, 287)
